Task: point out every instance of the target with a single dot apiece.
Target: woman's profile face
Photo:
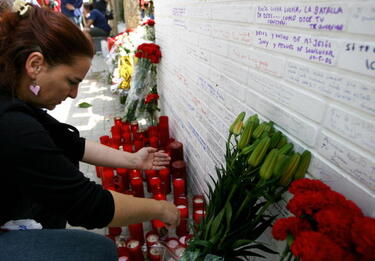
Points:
(60, 82)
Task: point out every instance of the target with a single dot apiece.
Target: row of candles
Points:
(158, 183)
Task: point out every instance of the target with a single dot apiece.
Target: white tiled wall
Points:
(309, 66)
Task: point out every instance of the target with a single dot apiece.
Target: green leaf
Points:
(216, 222)
(241, 242)
(84, 105)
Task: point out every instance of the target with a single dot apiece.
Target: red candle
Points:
(182, 229)
(163, 131)
(134, 127)
(136, 232)
(176, 151)
(181, 200)
(118, 183)
(138, 144)
(198, 202)
(125, 177)
(134, 249)
(128, 148)
(135, 173)
(178, 188)
(155, 183)
(125, 127)
(139, 136)
(104, 139)
(117, 121)
(127, 137)
(115, 231)
(154, 142)
(129, 192)
(160, 196)
(111, 237)
(122, 251)
(107, 177)
(155, 253)
(116, 140)
(165, 180)
(115, 130)
(150, 173)
(153, 131)
(151, 238)
(163, 120)
(137, 186)
(99, 171)
(179, 169)
(198, 216)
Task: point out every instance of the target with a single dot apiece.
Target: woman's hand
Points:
(150, 158)
(170, 214)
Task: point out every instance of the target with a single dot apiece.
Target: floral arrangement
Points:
(259, 166)
(141, 102)
(325, 226)
(149, 30)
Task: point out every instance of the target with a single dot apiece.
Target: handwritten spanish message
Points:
(316, 17)
(358, 57)
(362, 19)
(312, 48)
(342, 88)
(354, 163)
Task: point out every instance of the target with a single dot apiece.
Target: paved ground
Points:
(94, 121)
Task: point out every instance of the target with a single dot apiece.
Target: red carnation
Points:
(301, 186)
(311, 202)
(335, 223)
(150, 97)
(312, 246)
(363, 236)
(149, 22)
(289, 226)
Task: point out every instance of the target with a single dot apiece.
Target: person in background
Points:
(43, 59)
(96, 23)
(100, 5)
(72, 9)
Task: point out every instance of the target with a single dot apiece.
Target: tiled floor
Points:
(94, 121)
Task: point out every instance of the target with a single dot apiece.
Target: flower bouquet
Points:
(325, 226)
(149, 30)
(259, 166)
(143, 83)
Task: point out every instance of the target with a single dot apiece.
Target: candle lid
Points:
(123, 258)
(198, 200)
(152, 238)
(155, 251)
(133, 243)
(178, 164)
(172, 243)
(200, 212)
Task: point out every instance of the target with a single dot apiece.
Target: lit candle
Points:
(178, 188)
(165, 180)
(135, 173)
(136, 232)
(198, 216)
(149, 173)
(115, 130)
(179, 169)
(116, 140)
(151, 238)
(134, 128)
(154, 142)
(122, 251)
(155, 183)
(157, 224)
(155, 253)
(99, 171)
(125, 127)
(128, 147)
(115, 231)
(176, 151)
(134, 250)
(117, 121)
(137, 186)
(160, 196)
(198, 202)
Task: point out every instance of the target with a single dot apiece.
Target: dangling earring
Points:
(34, 88)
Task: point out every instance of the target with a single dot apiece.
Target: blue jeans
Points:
(55, 245)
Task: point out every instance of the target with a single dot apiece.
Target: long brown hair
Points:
(42, 30)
